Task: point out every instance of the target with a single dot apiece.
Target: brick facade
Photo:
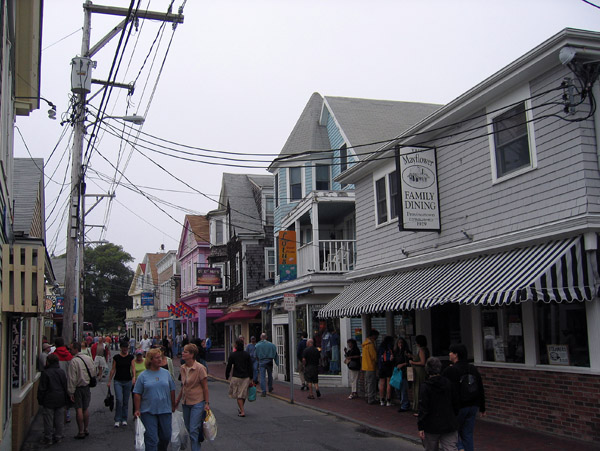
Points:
(558, 403)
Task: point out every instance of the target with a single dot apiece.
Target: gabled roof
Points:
(153, 260)
(361, 121)
(239, 191)
(199, 227)
(307, 134)
(28, 194)
(367, 121)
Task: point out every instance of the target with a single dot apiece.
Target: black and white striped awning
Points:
(556, 271)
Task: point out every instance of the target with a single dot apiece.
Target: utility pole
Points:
(74, 271)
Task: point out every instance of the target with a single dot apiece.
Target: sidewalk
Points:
(387, 420)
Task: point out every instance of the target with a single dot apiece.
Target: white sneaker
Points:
(382, 402)
(123, 423)
(116, 424)
(389, 403)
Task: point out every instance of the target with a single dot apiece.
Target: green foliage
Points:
(111, 320)
(107, 282)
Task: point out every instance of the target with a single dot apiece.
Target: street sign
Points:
(289, 302)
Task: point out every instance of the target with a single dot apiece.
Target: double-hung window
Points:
(393, 188)
(386, 197)
(322, 177)
(295, 184)
(381, 200)
(511, 139)
(270, 263)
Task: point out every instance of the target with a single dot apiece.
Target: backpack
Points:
(386, 356)
(469, 387)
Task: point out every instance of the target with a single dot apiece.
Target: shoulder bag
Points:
(93, 381)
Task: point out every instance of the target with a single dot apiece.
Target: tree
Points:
(111, 320)
(107, 282)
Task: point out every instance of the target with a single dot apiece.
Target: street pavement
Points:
(332, 422)
(270, 424)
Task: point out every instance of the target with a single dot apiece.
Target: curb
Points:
(366, 428)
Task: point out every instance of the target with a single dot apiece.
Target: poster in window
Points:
(418, 199)
(558, 354)
(499, 351)
(515, 329)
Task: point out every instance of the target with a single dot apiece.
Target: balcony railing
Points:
(335, 256)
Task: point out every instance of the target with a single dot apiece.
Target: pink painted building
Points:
(193, 251)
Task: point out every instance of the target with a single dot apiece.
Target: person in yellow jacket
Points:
(369, 365)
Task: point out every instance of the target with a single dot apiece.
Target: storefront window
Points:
(502, 329)
(562, 334)
(326, 335)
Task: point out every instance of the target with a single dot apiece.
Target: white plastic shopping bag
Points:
(210, 426)
(139, 435)
(179, 434)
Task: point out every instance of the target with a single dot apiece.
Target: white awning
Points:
(556, 271)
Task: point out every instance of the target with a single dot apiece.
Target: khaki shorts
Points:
(82, 397)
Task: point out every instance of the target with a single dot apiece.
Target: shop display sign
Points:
(558, 354)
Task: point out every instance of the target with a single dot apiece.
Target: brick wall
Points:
(551, 402)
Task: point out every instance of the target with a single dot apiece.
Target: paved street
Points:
(270, 424)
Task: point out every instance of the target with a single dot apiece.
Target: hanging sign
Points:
(418, 198)
(287, 255)
(208, 277)
(289, 302)
(147, 298)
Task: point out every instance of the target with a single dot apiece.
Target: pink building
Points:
(193, 251)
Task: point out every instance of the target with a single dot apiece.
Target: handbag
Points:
(396, 379)
(252, 393)
(109, 401)
(93, 381)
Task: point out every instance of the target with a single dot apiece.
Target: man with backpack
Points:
(469, 386)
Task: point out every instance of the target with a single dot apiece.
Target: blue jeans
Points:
(193, 416)
(466, 425)
(266, 365)
(158, 431)
(122, 394)
(404, 402)
(255, 370)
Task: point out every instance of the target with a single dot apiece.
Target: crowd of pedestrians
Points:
(445, 402)
(142, 370)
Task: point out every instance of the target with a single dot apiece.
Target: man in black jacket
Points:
(52, 396)
(438, 406)
(467, 381)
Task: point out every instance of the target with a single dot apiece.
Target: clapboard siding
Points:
(564, 184)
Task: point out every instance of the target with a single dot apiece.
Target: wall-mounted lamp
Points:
(405, 253)
(469, 237)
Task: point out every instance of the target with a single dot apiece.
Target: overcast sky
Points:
(236, 78)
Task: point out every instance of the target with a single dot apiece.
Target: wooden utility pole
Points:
(75, 227)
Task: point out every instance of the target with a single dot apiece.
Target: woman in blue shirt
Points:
(154, 401)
